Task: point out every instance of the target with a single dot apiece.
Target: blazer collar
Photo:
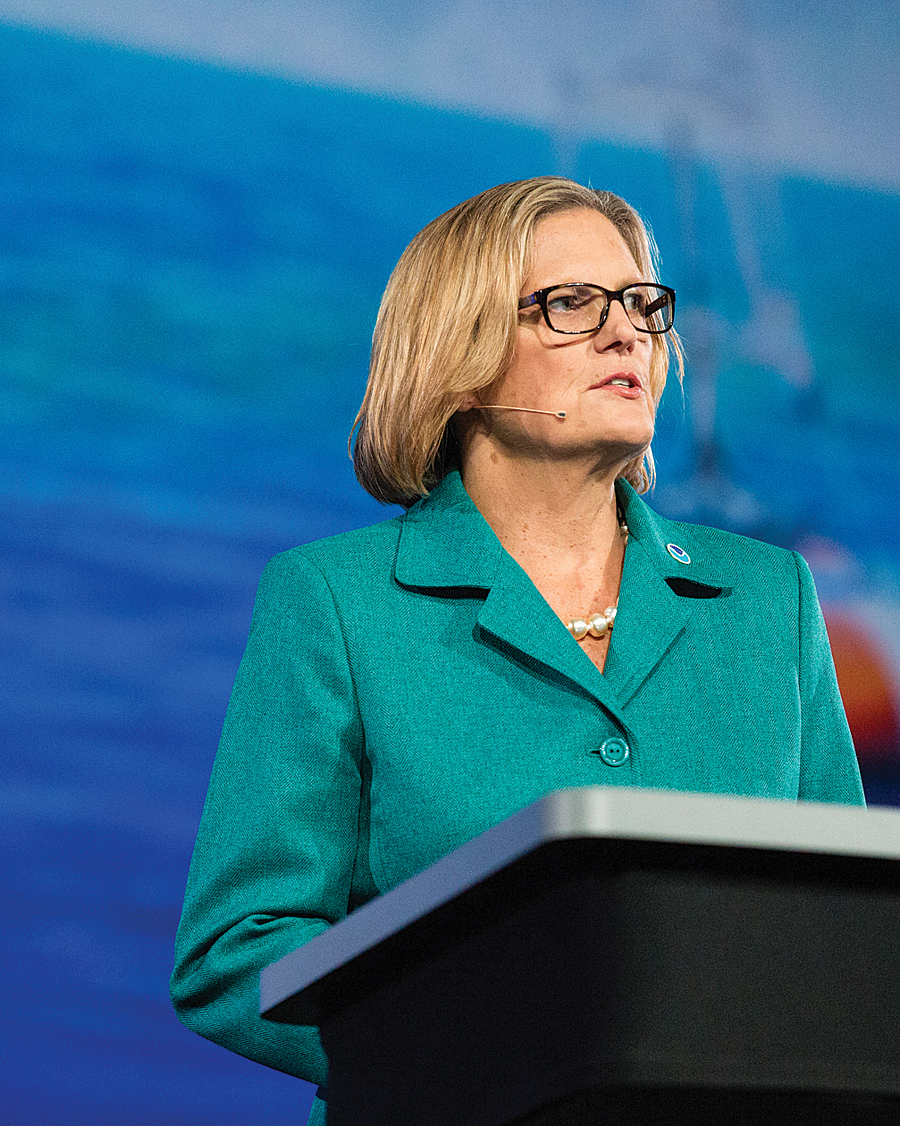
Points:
(445, 543)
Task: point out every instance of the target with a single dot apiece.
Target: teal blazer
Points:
(405, 687)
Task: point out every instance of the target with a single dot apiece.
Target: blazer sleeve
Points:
(274, 858)
(829, 771)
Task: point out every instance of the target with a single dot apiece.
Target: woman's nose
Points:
(617, 331)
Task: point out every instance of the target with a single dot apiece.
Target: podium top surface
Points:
(588, 813)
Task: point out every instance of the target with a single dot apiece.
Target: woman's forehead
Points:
(579, 245)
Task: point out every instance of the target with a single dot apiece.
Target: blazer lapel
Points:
(517, 615)
(652, 616)
(650, 620)
(446, 542)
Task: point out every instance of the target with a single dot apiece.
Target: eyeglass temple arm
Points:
(656, 305)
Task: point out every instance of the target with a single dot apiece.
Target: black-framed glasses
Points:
(582, 307)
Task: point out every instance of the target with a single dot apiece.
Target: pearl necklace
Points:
(596, 625)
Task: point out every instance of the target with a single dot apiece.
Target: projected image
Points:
(200, 214)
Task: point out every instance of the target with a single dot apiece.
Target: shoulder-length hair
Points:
(447, 327)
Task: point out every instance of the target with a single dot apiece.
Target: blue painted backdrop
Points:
(175, 412)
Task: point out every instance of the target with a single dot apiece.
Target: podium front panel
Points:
(600, 978)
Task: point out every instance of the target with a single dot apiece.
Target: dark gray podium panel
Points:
(614, 956)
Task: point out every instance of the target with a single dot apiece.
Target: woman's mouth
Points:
(624, 383)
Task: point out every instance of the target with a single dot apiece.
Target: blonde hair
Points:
(447, 327)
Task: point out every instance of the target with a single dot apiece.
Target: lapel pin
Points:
(678, 553)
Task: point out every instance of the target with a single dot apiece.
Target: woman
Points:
(528, 624)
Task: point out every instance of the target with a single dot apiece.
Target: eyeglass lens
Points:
(581, 308)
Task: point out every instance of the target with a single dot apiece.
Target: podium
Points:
(624, 957)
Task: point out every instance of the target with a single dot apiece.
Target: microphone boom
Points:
(528, 410)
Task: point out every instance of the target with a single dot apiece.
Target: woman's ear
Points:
(467, 403)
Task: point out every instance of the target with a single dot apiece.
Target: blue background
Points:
(176, 410)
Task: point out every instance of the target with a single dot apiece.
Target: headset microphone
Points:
(529, 410)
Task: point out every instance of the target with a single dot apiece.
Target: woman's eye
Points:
(636, 303)
(570, 302)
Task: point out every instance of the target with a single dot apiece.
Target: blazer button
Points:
(614, 751)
